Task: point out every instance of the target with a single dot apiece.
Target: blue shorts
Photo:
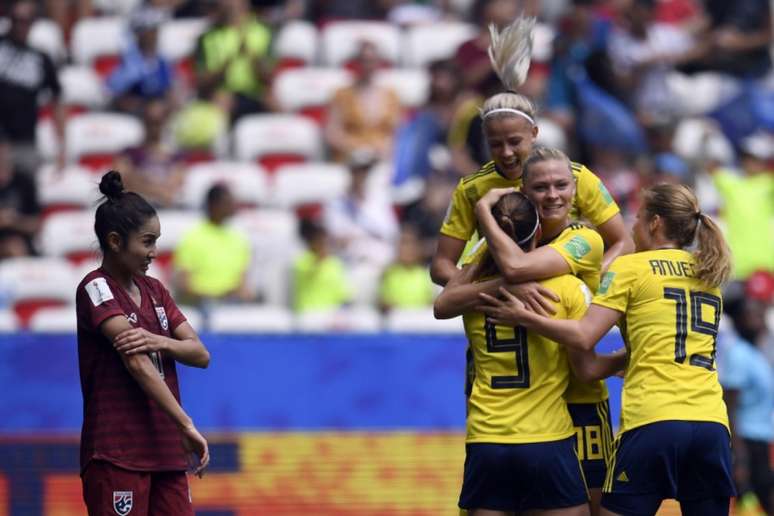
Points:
(519, 477)
(686, 460)
(593, 439)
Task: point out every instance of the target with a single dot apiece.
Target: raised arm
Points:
(147, 377)
(617, 239)
(461, 293)
(589, 367)
(444, 264)
(185, 347)
(581, 334)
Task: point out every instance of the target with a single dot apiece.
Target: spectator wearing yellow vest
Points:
(406, 283)
(233, 56)
(319, 279)
(212, 260)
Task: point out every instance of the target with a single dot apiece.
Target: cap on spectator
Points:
(760, 286)
(147, 18)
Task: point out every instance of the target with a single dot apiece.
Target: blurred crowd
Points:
(303, 152)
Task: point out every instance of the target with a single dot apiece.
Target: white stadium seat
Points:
(174, 224)
(551, 134)
(246, 181)
(74, 187)
(92, 134)
(69, 234)
(46, 36)
(8, 321)
(356, 319)
(309, 183)
(420, 321)
(341, 40)
(194, 316)
(297, 42)
(427, 43)
(411, 84)
(250, 319)
(298, 88)
(82, 86)
(542, 43)
(258, 137)
(97, 37)
(56, 319)
(274, 238)
(35, 283)
(177, 38)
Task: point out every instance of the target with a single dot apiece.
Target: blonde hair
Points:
(540, 153)
(683, 223)
(510, 52)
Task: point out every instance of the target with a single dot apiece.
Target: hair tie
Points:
(534, 230)
(698, 215)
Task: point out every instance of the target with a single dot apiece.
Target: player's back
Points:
(519, 377)
(670, 326)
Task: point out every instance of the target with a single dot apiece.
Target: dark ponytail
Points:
(120, 212)
(518, 218)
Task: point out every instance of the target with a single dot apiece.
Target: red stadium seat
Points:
(36, 283)
(308, 91)
(97, 42)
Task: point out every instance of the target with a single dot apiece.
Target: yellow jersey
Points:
(670, 324)
(582, 248)
(592, 200)
(517, 378)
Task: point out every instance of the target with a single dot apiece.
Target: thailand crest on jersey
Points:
(123, 501)
(162, 315)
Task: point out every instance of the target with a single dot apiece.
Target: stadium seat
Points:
(296, 44)
(543, 43)
(274, 238)
(420, 321)
(194, 317)
(55, 319)
(92, 139)
(700, 93)
(8, 322)
(174, 224)
(341, 39)
(701, 138)
(97, 42)
(424, 44)
(356, 319)
(308, 183)
(276, 139)
(246, 181)
(308, 91)
(250, 319)
(70, 235)
(35, 283)
(177, 38)
(74, 188)
(82, 88)
(46, 36)
(411, 84)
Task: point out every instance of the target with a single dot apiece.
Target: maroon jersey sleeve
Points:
(96, 302)
(175, 316)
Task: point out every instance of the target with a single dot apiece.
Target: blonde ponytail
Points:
(684, 223)
(510, 52)
(713, 257)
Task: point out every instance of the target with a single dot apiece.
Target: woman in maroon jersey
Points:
(130, 333)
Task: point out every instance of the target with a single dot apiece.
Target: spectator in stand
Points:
(233, 56)
(363, 227)
(472, 56)
(25, 73)
(153, 169)
(143, 74)
(319, 278)
(201, 125)
(19, 208)
(748, 390)
(406, 282)
(643, 52)
(363, 115)
(211, 262)
(735, 39)
(748, 206)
